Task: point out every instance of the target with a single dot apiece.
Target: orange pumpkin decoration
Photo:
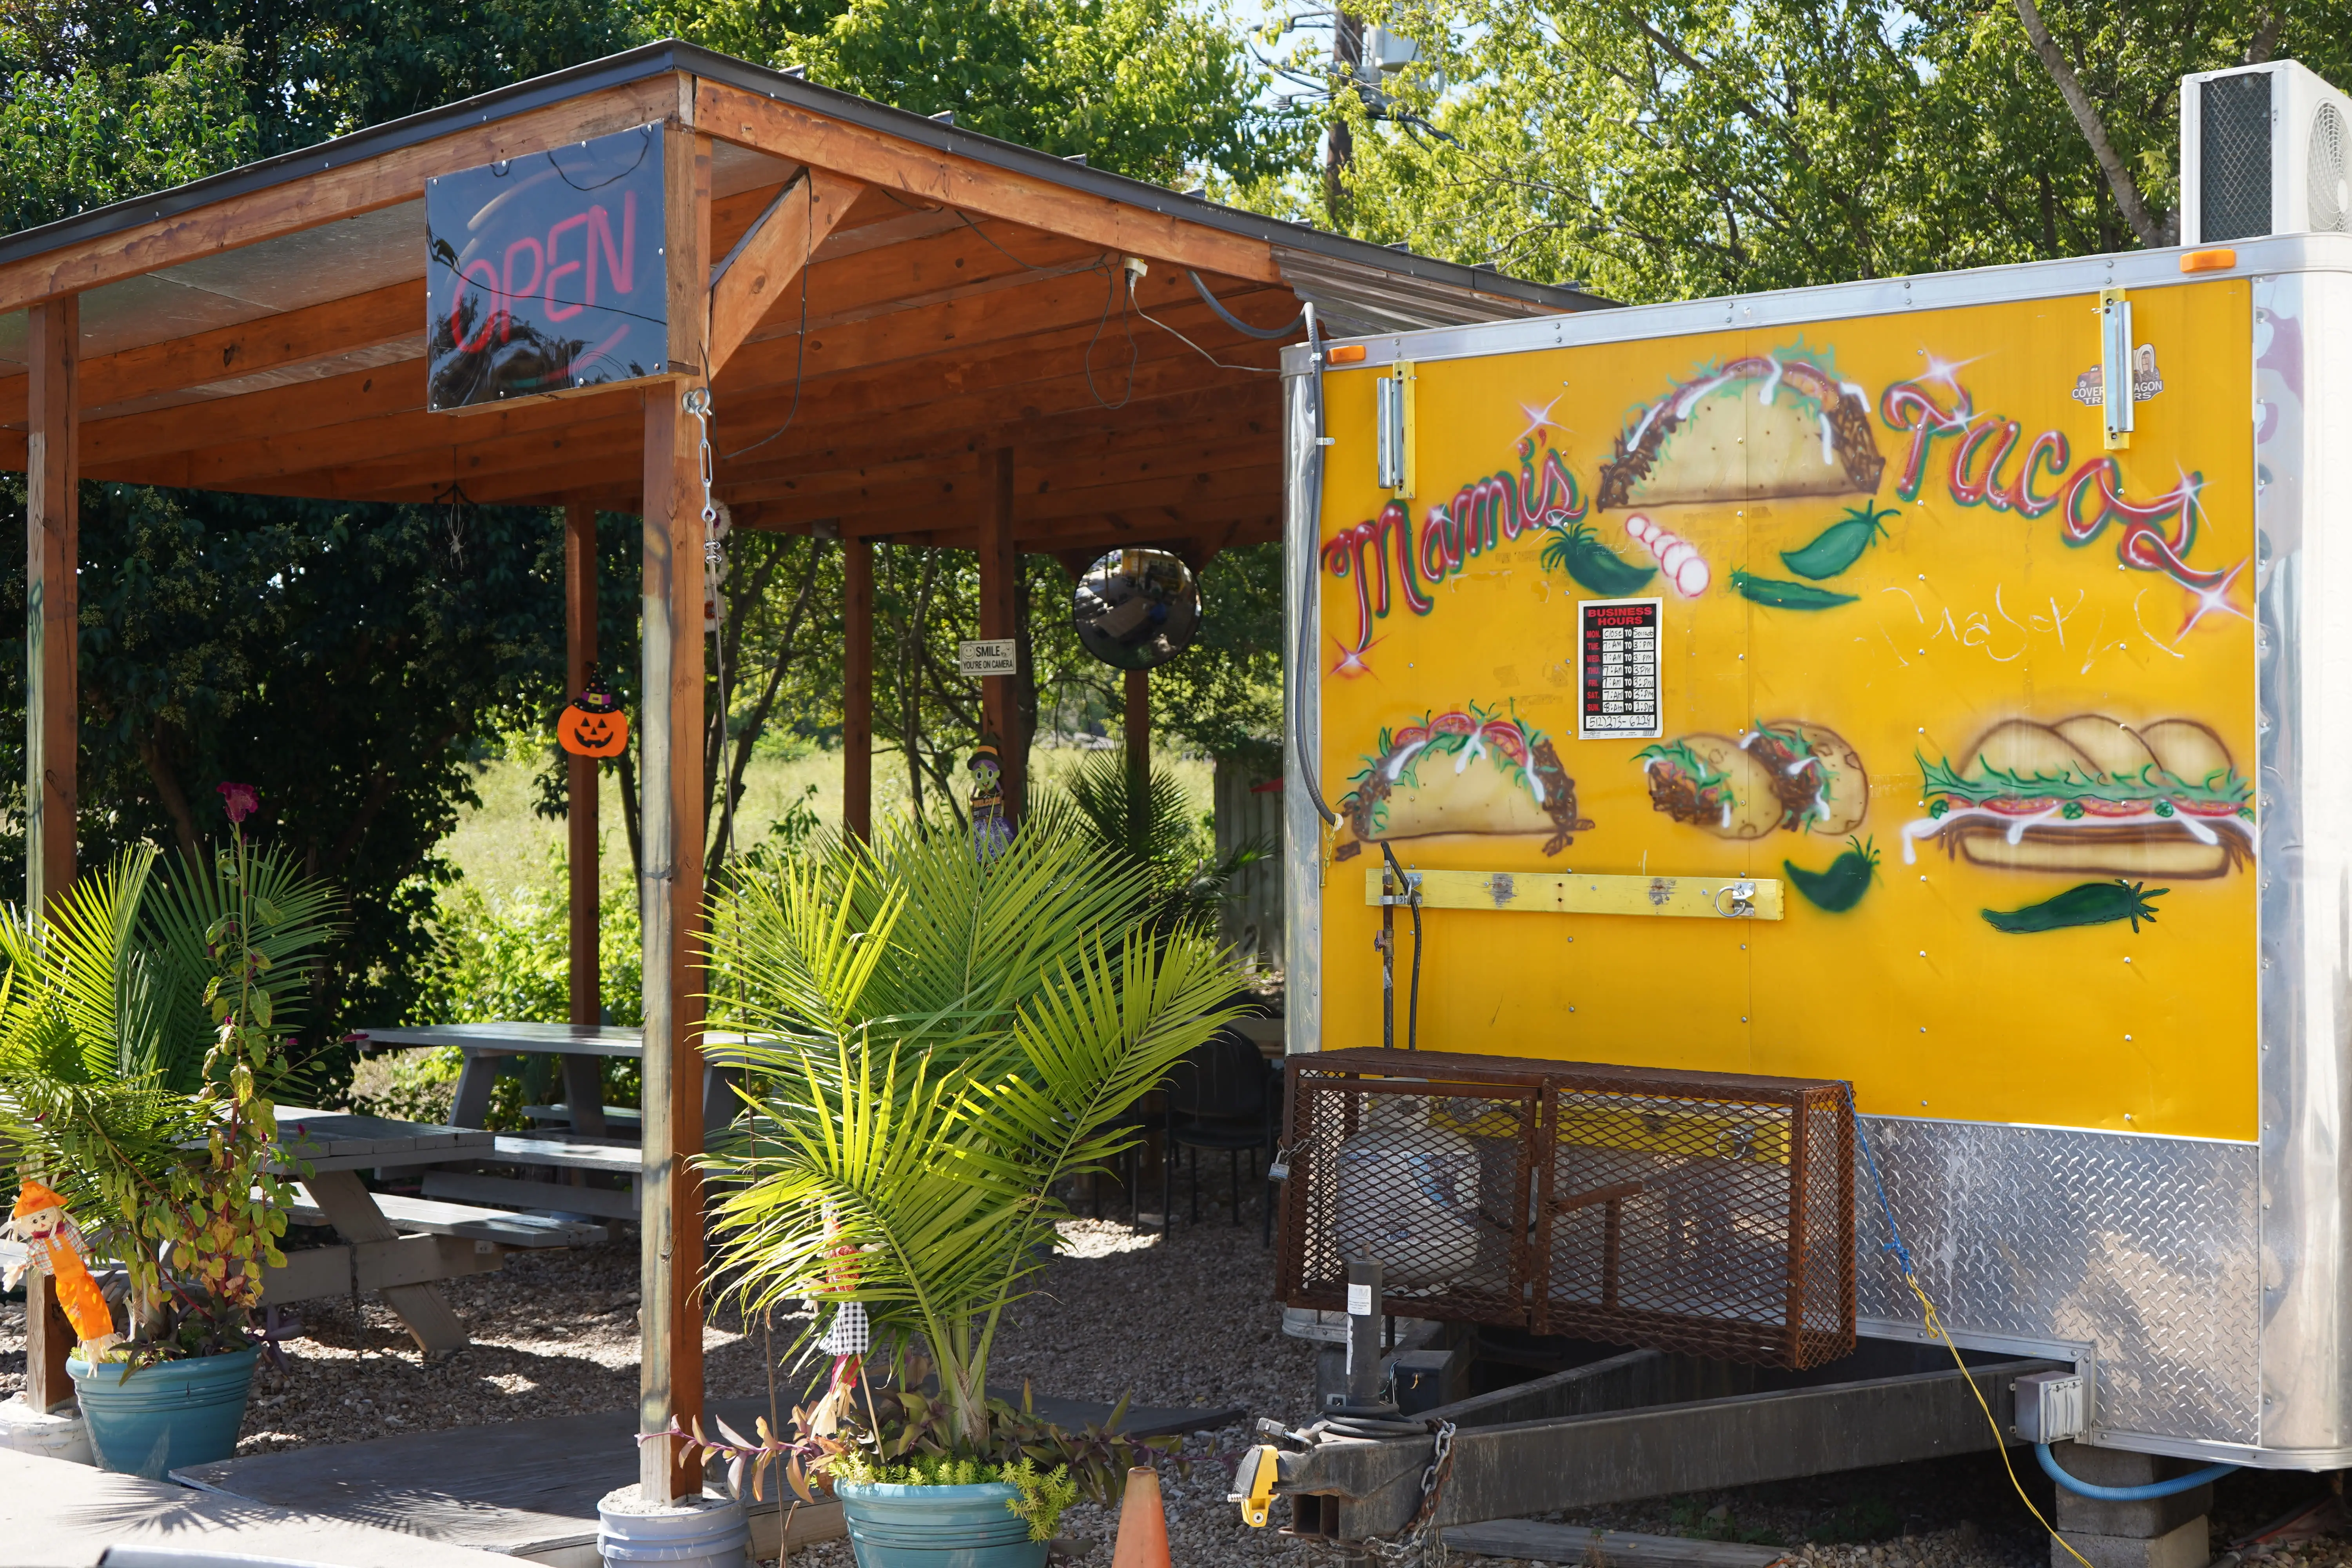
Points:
(593, 724)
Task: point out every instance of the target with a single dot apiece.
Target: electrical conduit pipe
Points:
(2148, 1493)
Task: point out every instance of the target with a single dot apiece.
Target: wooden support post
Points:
(583, 1077)
(671, 827)
(52, 597)
(48, 1340)
(1000, 566)
(1139, 756)
(857, 687)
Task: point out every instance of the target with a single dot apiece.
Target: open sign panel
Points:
(546, 273)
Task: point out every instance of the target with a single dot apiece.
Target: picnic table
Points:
(327, 1151)
(589, 1145)
(580, 1046)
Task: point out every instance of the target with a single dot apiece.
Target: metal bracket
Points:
(1411, 895)
(1575, 893)
(2117, 390)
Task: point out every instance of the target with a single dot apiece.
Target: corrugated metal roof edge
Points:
(673, 54)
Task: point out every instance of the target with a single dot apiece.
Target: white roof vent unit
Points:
(2263, 150)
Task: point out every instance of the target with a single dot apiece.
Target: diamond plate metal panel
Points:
(2143, 1247)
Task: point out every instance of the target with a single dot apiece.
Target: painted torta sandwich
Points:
(2091, 794)
(1464, 772)
(1754, 430)
(1783, 774)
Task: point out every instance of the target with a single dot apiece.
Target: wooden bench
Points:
(553, 1150)
(619, 1118)
(439, 1241)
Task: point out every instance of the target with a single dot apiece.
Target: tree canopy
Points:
(1662, 151)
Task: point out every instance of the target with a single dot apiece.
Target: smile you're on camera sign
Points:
(546, 273)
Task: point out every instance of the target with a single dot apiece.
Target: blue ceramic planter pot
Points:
(937, 1527)
(163, 1416)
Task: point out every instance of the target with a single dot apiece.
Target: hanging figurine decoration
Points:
(593, 724)
(991, 830)
(847, 1338)
(54, 1247)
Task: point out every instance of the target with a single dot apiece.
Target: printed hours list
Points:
(1620, 663)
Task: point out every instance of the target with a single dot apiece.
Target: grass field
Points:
(502, 847)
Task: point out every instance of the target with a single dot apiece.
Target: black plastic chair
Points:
(1221, 1095)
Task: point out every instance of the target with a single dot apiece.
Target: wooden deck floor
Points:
(529, 1488)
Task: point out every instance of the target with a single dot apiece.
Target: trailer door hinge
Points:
(2117, 370)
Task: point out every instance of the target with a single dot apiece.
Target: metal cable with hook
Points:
(714, 563)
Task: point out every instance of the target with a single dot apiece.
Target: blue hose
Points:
(2148, 1493)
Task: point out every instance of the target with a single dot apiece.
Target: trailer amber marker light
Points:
(2216, 261)
(1347, 353)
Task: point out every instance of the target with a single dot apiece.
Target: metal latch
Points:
(1393, 429)
(2118, 391)
(1742, 895)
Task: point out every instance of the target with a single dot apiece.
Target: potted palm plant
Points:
(943, 1040)
(141, 1030)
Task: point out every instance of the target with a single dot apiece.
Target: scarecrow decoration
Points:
(847, 1337)
(52, 1245)
(990, 830)
(593, 724)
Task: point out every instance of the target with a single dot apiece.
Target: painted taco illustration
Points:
(2091, 794)
(1783, 774)
(1469, 770)
(1755, 430)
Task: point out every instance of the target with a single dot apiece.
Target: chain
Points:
(1421, 1546)
(714, 567)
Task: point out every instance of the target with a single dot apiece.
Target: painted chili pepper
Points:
(2086, 904)
(1576, 550)
(1779, 595)
(1840, 544)
(1841, 886)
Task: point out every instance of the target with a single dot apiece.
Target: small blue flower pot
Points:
(163, 1416)
(937, 1527)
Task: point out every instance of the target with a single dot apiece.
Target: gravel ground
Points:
(1193, 1324)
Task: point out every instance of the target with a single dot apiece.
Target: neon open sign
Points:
(546, 273)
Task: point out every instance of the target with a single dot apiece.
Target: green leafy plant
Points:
(940, 1041)
(1152, 830)
(165, 1148)
(896, 1437)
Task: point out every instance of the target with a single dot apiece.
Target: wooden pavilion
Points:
(907, 331)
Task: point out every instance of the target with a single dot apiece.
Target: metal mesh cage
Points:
(2234, 151)
(1701, 1212)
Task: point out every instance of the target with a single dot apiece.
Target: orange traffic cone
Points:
(1142, 1527)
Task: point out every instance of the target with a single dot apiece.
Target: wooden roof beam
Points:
(753, 277)
(366, 185)
(784, 130)
(328, 330)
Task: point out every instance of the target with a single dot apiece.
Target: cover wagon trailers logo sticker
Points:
(2090, 794)
(1483, 516)
(1985, 466)
(2090, 388)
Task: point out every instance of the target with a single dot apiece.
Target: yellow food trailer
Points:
(1926, 683)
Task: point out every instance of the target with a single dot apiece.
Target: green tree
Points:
(1659, 151)
(308, 69)
(1155, 89)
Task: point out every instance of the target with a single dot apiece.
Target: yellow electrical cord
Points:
(1999, 1442)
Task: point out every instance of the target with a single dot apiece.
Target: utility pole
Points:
(1340, 143)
